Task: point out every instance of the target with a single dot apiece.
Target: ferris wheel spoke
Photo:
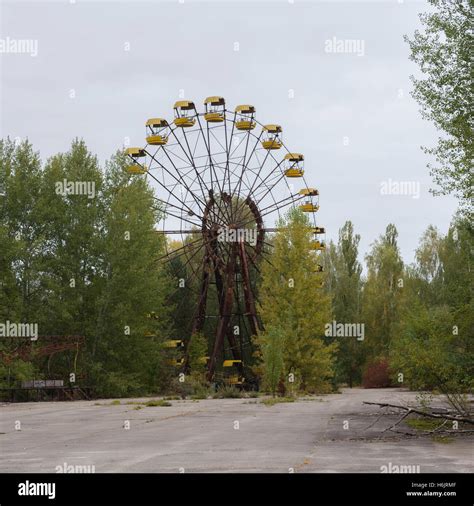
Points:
(177, 179)
(190, 271)
(275, 207)
(281, 204)
(167, 203)
(179, 217)
(168, 149)
(166, 211)
(201, 181)
(263, 180)
(281, 177)
(245, 162)
(171, 194)
(213, 135)
(259, 170)
(234, 172)
(222, 188)
(191, 161)
(228, 146)
(265, 254)
(295, 196)
(212, 170)
(190, 284)
(188, 260)
(173, 255)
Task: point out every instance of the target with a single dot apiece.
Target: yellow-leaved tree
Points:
(293, 303)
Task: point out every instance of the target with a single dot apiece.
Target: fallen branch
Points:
(422, 413)
(374, 423)
(439, 427)
(399, 420)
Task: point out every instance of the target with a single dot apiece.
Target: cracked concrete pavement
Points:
(202, 436)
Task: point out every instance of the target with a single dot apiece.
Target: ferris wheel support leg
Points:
(248, 294)
(234, 347)
(230, 336)
(224, 318)
(199, 318)
(198, 321)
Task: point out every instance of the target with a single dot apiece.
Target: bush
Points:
(377, 375)
(193, 385)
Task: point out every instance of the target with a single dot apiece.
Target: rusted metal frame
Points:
(248, 294)
(226, 312)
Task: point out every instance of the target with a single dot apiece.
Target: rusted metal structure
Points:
(221, 178)
(26, 348)
(43, 346)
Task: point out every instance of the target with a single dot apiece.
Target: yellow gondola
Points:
(173, 343)
(294, 173)
(185, 113)
(309, 207)
(245, 115)
(135, 167)
(319, 230)
(294, 165)
(318, 245)
(272, 137)
(176, 362)
(235, 379)
(309, 192)
(215, 107)
(230, 363)
(157, 130)
(319, 268)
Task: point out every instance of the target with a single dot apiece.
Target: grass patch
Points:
(277, 400)
(442, 439)
(136, 408)
(251, 394)
(228, 392)
(153, 404)
(423, 424)
(115, 403)
(312, 399)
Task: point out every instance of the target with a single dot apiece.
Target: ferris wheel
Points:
(222, 180)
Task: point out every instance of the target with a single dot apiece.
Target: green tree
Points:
(381, 294)
(20, 250)
(445, 93)
(82, 259)
(127, 346)
(20, 175)
(435, 346)
(70, 222)
(345, 285)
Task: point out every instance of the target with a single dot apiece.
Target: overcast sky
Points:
(103, 68)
